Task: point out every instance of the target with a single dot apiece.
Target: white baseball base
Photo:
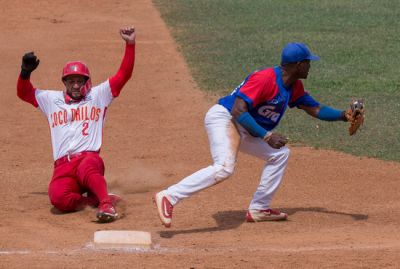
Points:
(122, 239)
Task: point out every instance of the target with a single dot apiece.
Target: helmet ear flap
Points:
(86, 87)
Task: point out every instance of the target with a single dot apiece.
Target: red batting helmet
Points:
(75, 68)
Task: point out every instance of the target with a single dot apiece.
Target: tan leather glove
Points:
(355, 115)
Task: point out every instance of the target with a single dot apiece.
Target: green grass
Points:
(358, 42)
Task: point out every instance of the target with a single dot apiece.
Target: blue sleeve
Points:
(305, 100)
(250, 124)
(327, 113)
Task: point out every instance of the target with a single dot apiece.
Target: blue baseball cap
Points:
(296, 52)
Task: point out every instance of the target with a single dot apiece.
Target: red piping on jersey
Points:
(125, 70)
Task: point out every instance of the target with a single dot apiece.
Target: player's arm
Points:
(306, 102)
(25, 89)
(243, 117)
(325, 113)
(124, 72)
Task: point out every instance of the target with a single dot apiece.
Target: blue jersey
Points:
(267, 98)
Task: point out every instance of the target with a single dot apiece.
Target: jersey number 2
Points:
(85, 126)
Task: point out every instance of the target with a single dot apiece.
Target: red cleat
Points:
(106, 211)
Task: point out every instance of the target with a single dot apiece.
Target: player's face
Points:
(304, 68)
(73, 84)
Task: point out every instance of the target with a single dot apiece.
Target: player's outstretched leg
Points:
(224, 142)
(91, 175)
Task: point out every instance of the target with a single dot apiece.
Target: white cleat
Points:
(254, 215)
(164, 208)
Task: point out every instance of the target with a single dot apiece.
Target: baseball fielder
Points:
(245, 120)
(76, 119)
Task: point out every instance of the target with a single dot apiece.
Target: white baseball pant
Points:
(225, 139)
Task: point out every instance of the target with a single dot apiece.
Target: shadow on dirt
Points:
(292, 211)
(226, 220)
(55, 211)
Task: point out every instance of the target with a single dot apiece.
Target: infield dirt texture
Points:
(344, 212)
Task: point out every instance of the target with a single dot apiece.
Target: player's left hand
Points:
(128, 34)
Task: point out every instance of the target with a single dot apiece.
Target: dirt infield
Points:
(344, 211)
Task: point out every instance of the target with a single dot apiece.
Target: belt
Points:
(69, 157)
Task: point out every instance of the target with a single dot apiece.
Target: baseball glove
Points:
(355, 115)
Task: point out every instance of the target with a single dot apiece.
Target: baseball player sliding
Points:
(245, 120)
(76, 118)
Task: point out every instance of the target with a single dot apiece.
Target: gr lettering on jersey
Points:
(268, 112)
(83, 113)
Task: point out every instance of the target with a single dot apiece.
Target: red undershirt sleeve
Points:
(124, 72)
(26, 92)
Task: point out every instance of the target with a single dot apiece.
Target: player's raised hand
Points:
(128, 34)
(276, 140)
(29, 63)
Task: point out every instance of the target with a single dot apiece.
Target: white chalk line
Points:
(90, 248)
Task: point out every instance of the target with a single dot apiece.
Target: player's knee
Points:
(223, 171)
(65, 203)
(61, 205)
